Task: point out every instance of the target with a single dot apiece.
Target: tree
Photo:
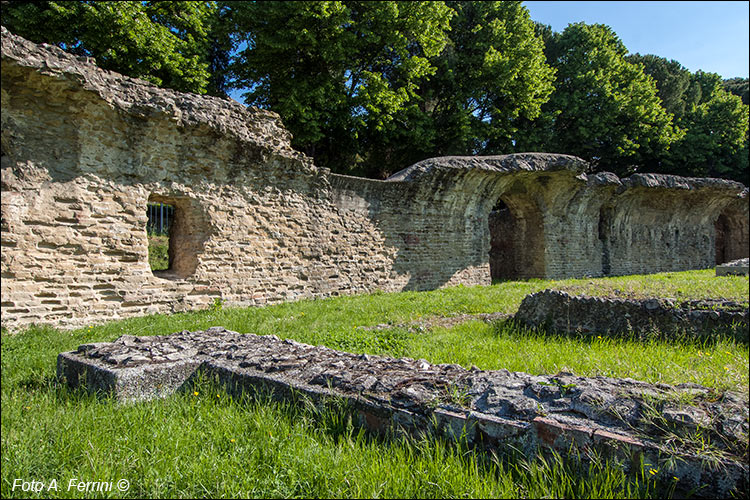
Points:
(167, 43)
(334, 70)
(673, 82)
(713, 121)
(604, 108)
(491, 75)
(369, 88)
(738, 87)
(715, 143)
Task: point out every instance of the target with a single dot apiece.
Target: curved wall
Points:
(84, 150)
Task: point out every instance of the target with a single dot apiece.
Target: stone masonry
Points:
(85, 150)
(619, 419)
(739, 267)
(558, 310)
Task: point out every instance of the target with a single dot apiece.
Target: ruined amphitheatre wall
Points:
(85, 150)
(565, 223)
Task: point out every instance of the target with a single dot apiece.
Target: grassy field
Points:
(205, 443)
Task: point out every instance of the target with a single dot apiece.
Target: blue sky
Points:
(710, 36)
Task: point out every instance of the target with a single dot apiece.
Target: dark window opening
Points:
(731, 235)
(722, 229)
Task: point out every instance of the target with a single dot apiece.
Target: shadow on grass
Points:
(736, 333)
(60, 392)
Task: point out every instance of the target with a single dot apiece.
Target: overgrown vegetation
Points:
(680, 286)
(158, 252)
(370, 88)
(204, 443)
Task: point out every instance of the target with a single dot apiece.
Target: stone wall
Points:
(84, 150)
(558, 310)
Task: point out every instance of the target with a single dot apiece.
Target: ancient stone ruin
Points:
(739, 267)
(561, 311)
(85, 150)
(619, 419)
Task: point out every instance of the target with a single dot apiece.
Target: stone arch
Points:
(516, 239)
(731, 236)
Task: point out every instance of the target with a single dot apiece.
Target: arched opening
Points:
(731, 236)
(516, 240)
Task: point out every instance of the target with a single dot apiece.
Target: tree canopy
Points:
(713, 121)
(337, 72)
(715, 143)
(675, 87)
(167, 43)
(492, 74)
(368, 88)
(738, 87)
(604, 108)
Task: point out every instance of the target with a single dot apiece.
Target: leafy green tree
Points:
(604, 108)
(738, 87)
(713, 121)
(673, 82)
(334, 70)
(369, 88)
(491, 75)
(167, 43)
(716, 134)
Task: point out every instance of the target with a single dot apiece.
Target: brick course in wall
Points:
(84, 150)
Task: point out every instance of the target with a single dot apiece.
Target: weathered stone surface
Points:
(561, 311)
(739, 267)
(85, 150)
(622, 418)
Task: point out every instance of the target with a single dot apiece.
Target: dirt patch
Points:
(426, 324)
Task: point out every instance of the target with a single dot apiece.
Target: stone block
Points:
(500, 410)
(737, 267)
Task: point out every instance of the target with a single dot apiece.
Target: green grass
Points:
(158, 252)
(682, 287)
(218, 446)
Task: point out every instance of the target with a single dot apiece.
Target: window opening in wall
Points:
(160, 220)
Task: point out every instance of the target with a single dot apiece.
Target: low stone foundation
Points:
(619, 419)
(558, 310)
(739, 267)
